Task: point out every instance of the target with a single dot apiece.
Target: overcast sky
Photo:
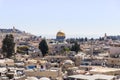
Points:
(74, 17)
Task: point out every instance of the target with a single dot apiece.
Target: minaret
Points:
(105, 36)
(14, 29)
(13, 33)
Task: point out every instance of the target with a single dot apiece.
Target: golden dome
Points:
(60, 34)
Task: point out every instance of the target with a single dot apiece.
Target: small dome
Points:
(44, 78)
(32, 78)
(68, 62)
(60, 34)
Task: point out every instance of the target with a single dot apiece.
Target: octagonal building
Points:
(60, 36)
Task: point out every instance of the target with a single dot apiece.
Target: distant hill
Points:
(18, 34)
(10, 30)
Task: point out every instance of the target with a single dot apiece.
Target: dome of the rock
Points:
(60, 36)
(60, 33)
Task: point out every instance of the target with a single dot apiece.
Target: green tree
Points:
(43, 47)
(75, 47)
(8, 45)
(66, 49)
(86, 39)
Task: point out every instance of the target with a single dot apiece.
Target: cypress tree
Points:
(43, 47)
(8, 45)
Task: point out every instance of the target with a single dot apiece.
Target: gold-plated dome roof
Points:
(60, 33)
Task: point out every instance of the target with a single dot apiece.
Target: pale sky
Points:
(75, 17)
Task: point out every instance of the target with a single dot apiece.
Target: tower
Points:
(14, 30)
(105, 36)
(14, 35)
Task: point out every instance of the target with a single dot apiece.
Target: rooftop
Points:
(92, 77)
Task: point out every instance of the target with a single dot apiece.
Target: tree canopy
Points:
(43, 47)
(75, 47)
(8, 45)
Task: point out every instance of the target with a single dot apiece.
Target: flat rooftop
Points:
(92, 77)
(103, 69)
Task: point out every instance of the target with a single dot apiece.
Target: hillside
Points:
(18, 34)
